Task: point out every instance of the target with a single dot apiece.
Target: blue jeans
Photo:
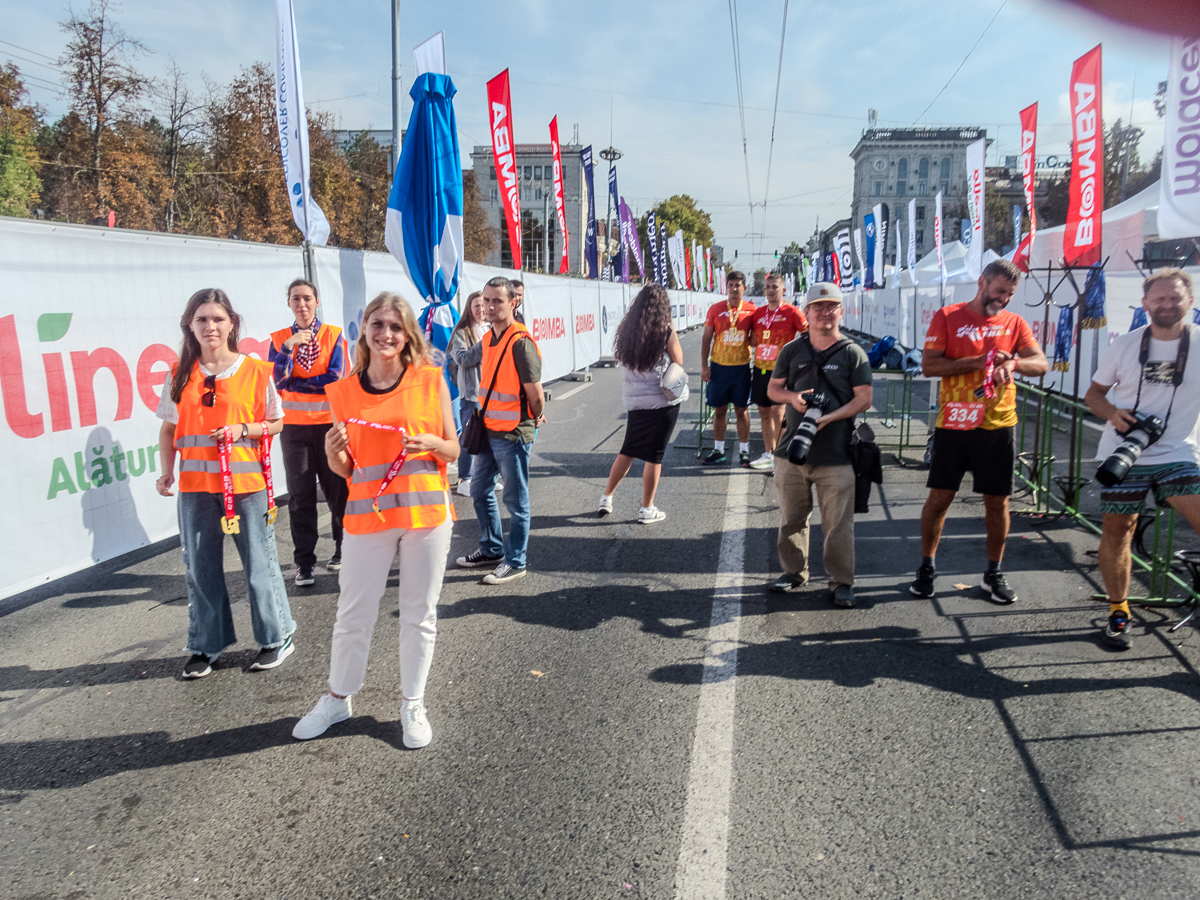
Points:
(210, 621)
(465, 407)
(511, 460)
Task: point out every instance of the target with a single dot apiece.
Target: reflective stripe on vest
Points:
(503, 399)
(204, 465)
(241, 397)
(376, 473)
(207, 440)
(418, 496)
(365, 507)
(306, 408)
(297, 406)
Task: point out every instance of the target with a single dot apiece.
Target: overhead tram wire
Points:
(961, 64)
(774, 114)
(737, 74)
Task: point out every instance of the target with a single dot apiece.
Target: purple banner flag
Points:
(629, 239)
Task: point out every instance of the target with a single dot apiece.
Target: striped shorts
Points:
(1168, 480)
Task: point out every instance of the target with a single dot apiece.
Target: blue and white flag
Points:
(620, 265)
(424, 216)
(1018, 218)
(292, 120)
(1063, 339)
(869, 258)
(652, 237)
(589, 240)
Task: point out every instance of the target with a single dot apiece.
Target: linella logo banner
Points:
(975, 154)
(504, 153)
(1082, 237)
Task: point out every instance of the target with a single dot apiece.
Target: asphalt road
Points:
(635, 719)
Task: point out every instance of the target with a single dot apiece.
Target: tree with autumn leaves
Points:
(160, 157)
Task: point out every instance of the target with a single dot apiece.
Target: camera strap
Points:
(820, 358)
(1177, 368)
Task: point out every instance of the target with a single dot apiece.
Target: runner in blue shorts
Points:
(728, 375)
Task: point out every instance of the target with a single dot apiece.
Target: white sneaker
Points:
(417, 732)
(648, 515)
(605, 506)
(328, 711)
(464, 487)
(504, 572)
(766, 461)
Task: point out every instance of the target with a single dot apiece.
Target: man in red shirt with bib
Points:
(976, 348)
(772, 326)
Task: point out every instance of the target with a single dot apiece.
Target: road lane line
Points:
(701, 870)
(574, 390)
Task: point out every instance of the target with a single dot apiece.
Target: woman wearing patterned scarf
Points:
(308, 356)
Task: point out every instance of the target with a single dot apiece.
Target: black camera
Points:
(802, 440)
(1141, 434)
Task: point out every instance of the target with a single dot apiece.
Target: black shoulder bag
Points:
(474, 434)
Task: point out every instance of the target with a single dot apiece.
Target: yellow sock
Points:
(1122, 607)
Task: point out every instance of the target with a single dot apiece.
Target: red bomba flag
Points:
(1081, 242)
(1028, 163)
(504, 152)
(563, 266)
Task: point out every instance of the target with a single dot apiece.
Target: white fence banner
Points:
(89, 327)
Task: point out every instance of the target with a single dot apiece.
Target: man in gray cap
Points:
(824, 362)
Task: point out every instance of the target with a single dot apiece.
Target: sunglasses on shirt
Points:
(210, 385)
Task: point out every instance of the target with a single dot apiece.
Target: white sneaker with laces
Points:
(328, 711)
(504, 572)
(464, 487)
(648, 515)
(605, 506)
(417, 732)
(766, 461)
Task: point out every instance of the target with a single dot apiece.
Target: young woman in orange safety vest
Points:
(308, 356)
(392, 437)
(219, 409)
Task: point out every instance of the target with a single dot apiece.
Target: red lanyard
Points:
(392, 471)
(989, 371)
(230, 524)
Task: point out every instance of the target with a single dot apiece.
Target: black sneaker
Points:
(304, 576)
(269, 659)
(998, 587)
(922, 586)
(785, 584)
(716, 456)
(477, 559)
(335, 562)
(197, 667)
(1118, 632)
(744, 459)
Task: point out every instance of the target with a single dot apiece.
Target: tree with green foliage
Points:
(19, 182)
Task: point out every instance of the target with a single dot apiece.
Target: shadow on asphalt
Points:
(38, 765)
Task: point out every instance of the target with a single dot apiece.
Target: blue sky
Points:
(667, 70)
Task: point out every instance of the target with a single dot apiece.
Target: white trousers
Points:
(366, 562)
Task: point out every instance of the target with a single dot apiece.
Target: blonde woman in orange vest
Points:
(308, 356)
(392, 437)
(217, 409)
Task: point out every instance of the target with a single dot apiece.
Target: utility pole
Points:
(396, 92)
(546, 232)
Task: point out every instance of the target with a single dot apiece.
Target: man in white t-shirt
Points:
(1148, 374)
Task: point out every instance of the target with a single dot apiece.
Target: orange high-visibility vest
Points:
(240, 398)
(504, 399)
(418, 497)
(308, 409)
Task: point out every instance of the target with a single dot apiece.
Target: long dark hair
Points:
(467, 320)
(643, 334)
(189, 350)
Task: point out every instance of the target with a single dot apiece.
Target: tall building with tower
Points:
(893, 166)
(535, 171)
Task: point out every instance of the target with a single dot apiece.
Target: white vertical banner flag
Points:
(292, 120)
(880, 244)
(899, 258)
(858, 250)
(912, 239)
(975, 173)
(937, 235)
(1179, 190)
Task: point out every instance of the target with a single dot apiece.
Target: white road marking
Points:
(574, 390)
(704, 843)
